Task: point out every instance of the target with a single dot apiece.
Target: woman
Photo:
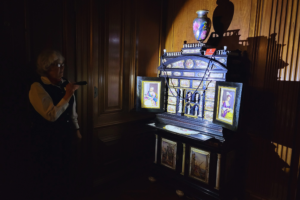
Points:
(226, 110)
(54, 123)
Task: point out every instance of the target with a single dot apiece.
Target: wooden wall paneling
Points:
(182, 13)
(162, 29)
(297, 63)
(98, 73)
(129, 35)
(148, 37)
(169, 26)
(46, 32)
(130, 56)
(69, 39)
(273, 47)
(27, 31)
(181, 25)
(113, 68)
(28, 27)
(295, 72)
(190, 9)
(284, 75)
(15, 124)
(294, 181)
(277, 24)
(110, 78)
(96, 59)
(119, 36)
(118, 132)
(84, 70)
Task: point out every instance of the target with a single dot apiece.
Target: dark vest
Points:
(59, 128)
(51, 145)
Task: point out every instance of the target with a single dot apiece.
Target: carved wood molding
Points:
(116, 65)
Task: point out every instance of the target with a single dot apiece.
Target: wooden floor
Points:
(137, 188)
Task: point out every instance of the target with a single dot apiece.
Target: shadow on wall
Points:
(266, 166)
(267, 116)
(222, 18)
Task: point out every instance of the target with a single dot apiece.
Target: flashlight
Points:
(80, 83)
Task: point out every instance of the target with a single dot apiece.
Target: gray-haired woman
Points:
(54, 124)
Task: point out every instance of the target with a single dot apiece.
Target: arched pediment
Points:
(193, 63)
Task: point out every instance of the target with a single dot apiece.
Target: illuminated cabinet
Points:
(193, 154)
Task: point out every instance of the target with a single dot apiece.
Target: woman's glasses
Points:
(58, 64)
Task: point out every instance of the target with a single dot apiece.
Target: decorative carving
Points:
(189, 64)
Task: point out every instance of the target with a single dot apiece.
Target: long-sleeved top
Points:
(43, 104)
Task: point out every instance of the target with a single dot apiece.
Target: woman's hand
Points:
(70, 89)
(78, 134)
(76, 139)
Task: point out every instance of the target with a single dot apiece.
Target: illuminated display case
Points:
(189, 148)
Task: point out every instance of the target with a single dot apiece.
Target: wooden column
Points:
(218, 172)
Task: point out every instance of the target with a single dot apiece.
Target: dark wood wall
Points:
(110, 54)
(106, 43)
(27, 27)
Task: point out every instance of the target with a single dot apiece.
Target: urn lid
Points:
(202, 13)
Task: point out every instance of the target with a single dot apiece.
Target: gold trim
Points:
(158, 94)
(207, 154)
(219, 91)
(175, 152)
(192, 104)
(191, 116)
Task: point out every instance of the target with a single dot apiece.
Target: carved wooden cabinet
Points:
(191, 152)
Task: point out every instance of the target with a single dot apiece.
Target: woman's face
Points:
(151, 89)
(228, 98)
(56, 71)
